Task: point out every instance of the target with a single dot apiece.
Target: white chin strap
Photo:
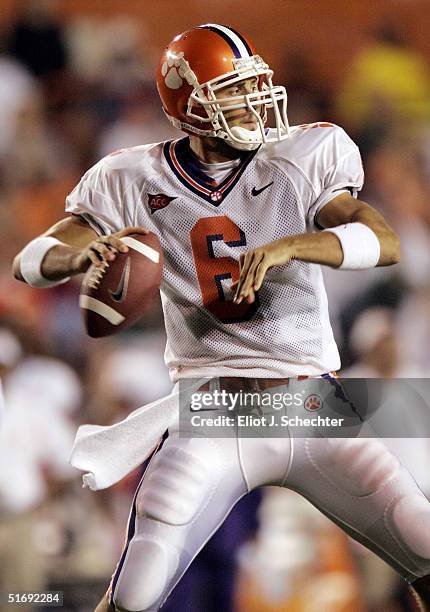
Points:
(251, 138)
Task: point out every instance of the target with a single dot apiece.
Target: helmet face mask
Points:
(207, 113)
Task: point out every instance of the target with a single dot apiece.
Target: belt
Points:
(236, 383)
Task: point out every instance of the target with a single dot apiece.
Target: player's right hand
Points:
(103, 250)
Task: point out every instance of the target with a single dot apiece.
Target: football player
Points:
(246, 209)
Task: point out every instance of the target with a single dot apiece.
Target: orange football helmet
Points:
(200, 62)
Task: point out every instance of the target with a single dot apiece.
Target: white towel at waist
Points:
(108, 453)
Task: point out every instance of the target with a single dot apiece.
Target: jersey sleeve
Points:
(339, 169)
(322, 161)
(98, 200)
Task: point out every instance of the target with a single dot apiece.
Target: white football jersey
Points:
(203, 227)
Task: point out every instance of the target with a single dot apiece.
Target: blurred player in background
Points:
(244, 211)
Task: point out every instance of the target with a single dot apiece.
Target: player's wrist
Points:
(35, 263)
(76, 261)
(316, 247)
(287, 247)
(62, 261)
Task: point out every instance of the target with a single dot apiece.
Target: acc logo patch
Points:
(313, 402)
(158, 201)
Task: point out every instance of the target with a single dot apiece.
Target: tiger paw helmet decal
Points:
(173, 72)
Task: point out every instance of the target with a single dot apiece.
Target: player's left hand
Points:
(254, 265)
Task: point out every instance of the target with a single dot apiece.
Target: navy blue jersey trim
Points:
(188, 162)
(180, 178)
(92, 222)
(191, 165)
(341, 393)
(317, 225)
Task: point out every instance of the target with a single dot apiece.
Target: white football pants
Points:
(191, 485)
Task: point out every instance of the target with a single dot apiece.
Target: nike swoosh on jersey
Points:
(120, 292)
(256, 192)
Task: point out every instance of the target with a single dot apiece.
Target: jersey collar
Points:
(188, 171)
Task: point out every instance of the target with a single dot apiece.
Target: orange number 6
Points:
(211, 270)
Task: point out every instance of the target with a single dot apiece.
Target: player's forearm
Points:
(346, 210)
(319, 247)
(61, 262)
(325, 248)
(59, 254)
(388, 240)
(58, 263)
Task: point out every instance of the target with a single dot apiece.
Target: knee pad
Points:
(150, 567)
(359, 466)
(179, 481)
(173, 509)
(411, 518)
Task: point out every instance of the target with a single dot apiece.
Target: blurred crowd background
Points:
(77, 82)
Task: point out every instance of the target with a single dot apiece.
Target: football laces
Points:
(97, 274)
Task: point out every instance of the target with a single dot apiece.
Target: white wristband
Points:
(31, 262)
(360, 246)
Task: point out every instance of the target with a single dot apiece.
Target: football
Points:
(118, 294)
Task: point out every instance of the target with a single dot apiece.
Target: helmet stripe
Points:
(235, 42)
(243, 39)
